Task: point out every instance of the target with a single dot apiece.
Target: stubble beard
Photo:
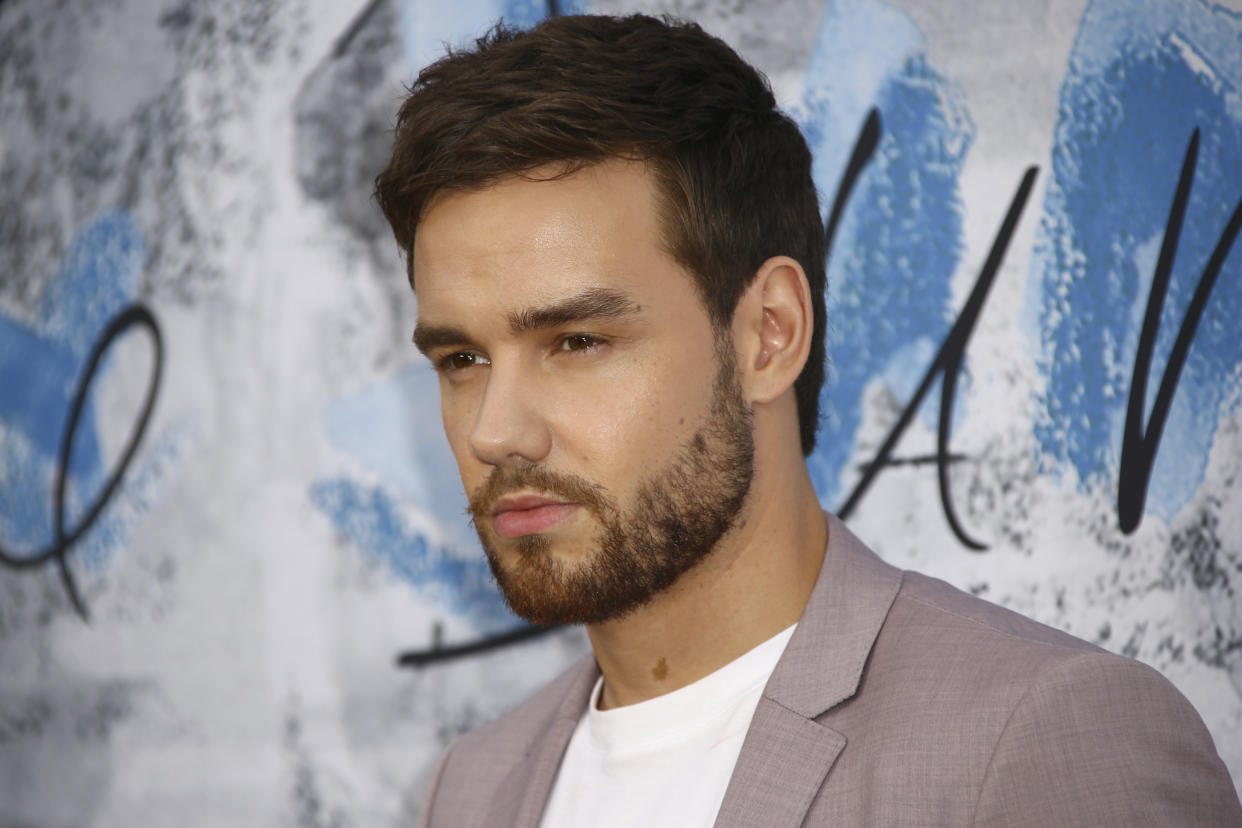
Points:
(678, 516)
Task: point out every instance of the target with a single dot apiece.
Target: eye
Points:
(580, 343)
(461, 360)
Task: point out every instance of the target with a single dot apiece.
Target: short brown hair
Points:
(733, 172)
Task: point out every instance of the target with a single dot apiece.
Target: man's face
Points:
(592, 408)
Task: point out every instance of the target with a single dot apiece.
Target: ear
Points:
(772, 328)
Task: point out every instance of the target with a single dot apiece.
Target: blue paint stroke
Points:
(38, 375)
(1142, 75)
(526, 13)
(40, 364)
(391, 426)
(98, 276)
(900, 240)
(393, 429)
(371, 519)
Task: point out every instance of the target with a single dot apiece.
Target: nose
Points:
(509, 424)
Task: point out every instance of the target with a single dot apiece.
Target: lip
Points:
(521, 515)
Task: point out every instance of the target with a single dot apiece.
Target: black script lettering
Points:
(132, 316)
(864, 147)
(949, 361)
(439, 653)
(1139, 445)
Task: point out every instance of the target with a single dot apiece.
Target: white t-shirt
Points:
(665, 761)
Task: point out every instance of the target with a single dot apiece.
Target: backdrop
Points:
(237, 575)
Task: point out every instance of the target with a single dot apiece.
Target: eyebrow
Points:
(592, 304)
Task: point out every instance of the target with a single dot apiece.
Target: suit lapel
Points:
(782, 765)
(521, 796)
(787, 754)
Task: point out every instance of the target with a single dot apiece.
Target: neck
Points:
(753, 585)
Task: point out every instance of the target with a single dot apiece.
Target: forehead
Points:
(534, 238)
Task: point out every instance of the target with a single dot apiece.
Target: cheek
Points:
(631, 423)
(458, 415)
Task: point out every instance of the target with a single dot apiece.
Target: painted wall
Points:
(206, 630)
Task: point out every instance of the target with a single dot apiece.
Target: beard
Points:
(678, 516)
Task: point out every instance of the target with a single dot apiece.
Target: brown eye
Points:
(579, 342)
(462, 360)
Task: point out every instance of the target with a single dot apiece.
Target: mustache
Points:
(504, 480)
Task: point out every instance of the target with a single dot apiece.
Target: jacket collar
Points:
(522, 795)
(823, 664)
(787, 753)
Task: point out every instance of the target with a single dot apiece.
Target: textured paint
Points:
(429, 24)
(393, 429)
(241, 664)
(900, 240)
(1142, 76)
(372, 520)
(39, 373)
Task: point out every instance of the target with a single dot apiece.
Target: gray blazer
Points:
(901, 701)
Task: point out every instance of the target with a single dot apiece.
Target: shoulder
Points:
(1029, 723)
(942, 609)
(1108, 737)
(476, 764)
(1001, 661)
(964, 661)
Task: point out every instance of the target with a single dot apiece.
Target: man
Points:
(617, 252)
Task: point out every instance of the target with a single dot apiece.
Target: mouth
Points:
(513, 517)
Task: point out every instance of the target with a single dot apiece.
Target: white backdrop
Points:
(291, 521)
